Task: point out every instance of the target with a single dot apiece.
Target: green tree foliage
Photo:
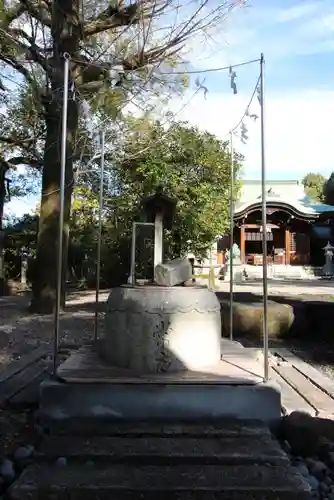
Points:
(329, 190)
(314, 186)
(192, 166)
(118, 52)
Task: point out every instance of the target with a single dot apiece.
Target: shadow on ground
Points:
(309, 333)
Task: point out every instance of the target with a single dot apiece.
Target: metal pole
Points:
(231, 233)
(133, 254)
(99, 238)
(264, 229)
(61, 212)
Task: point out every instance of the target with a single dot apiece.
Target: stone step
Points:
(106, 427)
(174, 482)
(169, 449)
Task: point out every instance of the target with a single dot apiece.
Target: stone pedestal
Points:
(162, 329)
(238, 273)
(87, 388)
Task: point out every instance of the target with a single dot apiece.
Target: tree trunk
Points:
(45, 272)
(66, 32)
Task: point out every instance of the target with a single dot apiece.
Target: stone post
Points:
(24, 266)
(158, 239)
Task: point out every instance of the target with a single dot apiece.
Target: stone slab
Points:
(126, 482)
(60, 400)
(219, 428)
(158, 450)
(86, 366)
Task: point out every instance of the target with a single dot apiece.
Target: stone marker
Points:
(173, 273)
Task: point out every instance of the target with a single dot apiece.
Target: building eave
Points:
(292, 209)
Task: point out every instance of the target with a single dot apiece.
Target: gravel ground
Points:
(20, 331)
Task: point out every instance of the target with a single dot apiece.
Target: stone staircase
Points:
(226, 460)
(284, 272)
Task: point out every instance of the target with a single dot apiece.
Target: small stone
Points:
(324, 448)
(303, 470)
(318, 469)
(61, 461)
(313, 482)
(7, 470)
(328, 480)
(24, 452)
(323, 487)
(286, 447)
(298, 429)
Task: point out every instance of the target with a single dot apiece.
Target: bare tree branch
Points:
(25, 160)
(39, 10)
(114, 17)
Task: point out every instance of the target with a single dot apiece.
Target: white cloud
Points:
(297, 11)
(298, 130)
(303, 29)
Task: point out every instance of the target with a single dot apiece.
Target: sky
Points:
(297, 39)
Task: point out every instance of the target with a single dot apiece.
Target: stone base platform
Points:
(87, 387)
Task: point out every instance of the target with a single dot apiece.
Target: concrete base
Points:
(191, 402)
(87, 388)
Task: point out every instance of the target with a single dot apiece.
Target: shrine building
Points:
(297, 228)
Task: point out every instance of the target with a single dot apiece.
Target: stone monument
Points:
(237, 268)
(160, 354)
(328, 267)
(164, 326)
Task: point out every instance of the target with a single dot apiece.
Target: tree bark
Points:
(2, 250)
(45, 273)
(66, 30)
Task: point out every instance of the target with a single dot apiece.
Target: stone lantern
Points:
(329, 252)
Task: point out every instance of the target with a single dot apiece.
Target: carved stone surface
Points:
(173, 273)
(161, 329)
